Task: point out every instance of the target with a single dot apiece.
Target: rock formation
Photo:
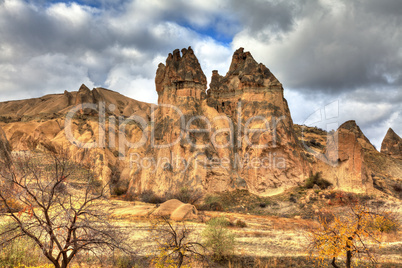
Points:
(40, 124)
(245, 75)
(349, 161)
(392, 144)
(240, 135)
(182, 76)
(237, 135)
(176, 210)
(253, 98)
(178, 156)
(84, 96)
(347, 150)
(5, 148)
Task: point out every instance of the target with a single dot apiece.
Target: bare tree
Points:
(57, 204)
(175, 244)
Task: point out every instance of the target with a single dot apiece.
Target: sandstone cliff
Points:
(177, 156)
(346, 150)
(41, 124)
(349, 161)
(253, 98)
(240, 135)
(392, 144)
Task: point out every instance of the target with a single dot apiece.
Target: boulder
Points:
(167, 208)
(184, 212)
(176, 210)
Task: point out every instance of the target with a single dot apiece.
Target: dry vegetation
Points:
(267, 231)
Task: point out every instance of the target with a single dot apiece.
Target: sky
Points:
(337, 60)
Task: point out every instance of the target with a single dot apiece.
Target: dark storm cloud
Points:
(259, 14)
(336, 46)
(344, 51)
(321, 50)
(384, 7)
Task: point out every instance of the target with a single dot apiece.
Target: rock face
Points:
(5, 148)
(348, 150)
(392, 144)
(240, 135)
(40, 124)
(348, 160)
(237, 135)
(182, 76)
(245, 75)
(251, 96)
(179, 157)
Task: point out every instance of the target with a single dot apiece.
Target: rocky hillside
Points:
(42, 124)
(349, 161)
(237, 134)
(57, 105)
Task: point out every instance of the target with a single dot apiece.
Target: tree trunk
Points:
(180, 260)
(348, 253)
(348, 258)
(333, 263)
(64, 263)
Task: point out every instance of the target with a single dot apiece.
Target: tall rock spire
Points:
(245, 75)
(181, 76)
(392, 144)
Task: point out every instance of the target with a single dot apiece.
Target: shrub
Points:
(241, 224)
(218, 238)
(397, 187)
(342, 198)
(148, 196)
(18, 252)
(385, 222)
(216, 206)
(292, 198)
(348, 234)
(175, 245)
(121, 260)
(187, 195)
(325, 216)
(213, 203)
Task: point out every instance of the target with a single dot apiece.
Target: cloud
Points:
(321, 50)
(43, 44)
(324, 51)
(333, 48)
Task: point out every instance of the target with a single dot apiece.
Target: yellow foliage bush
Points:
(349, 234)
